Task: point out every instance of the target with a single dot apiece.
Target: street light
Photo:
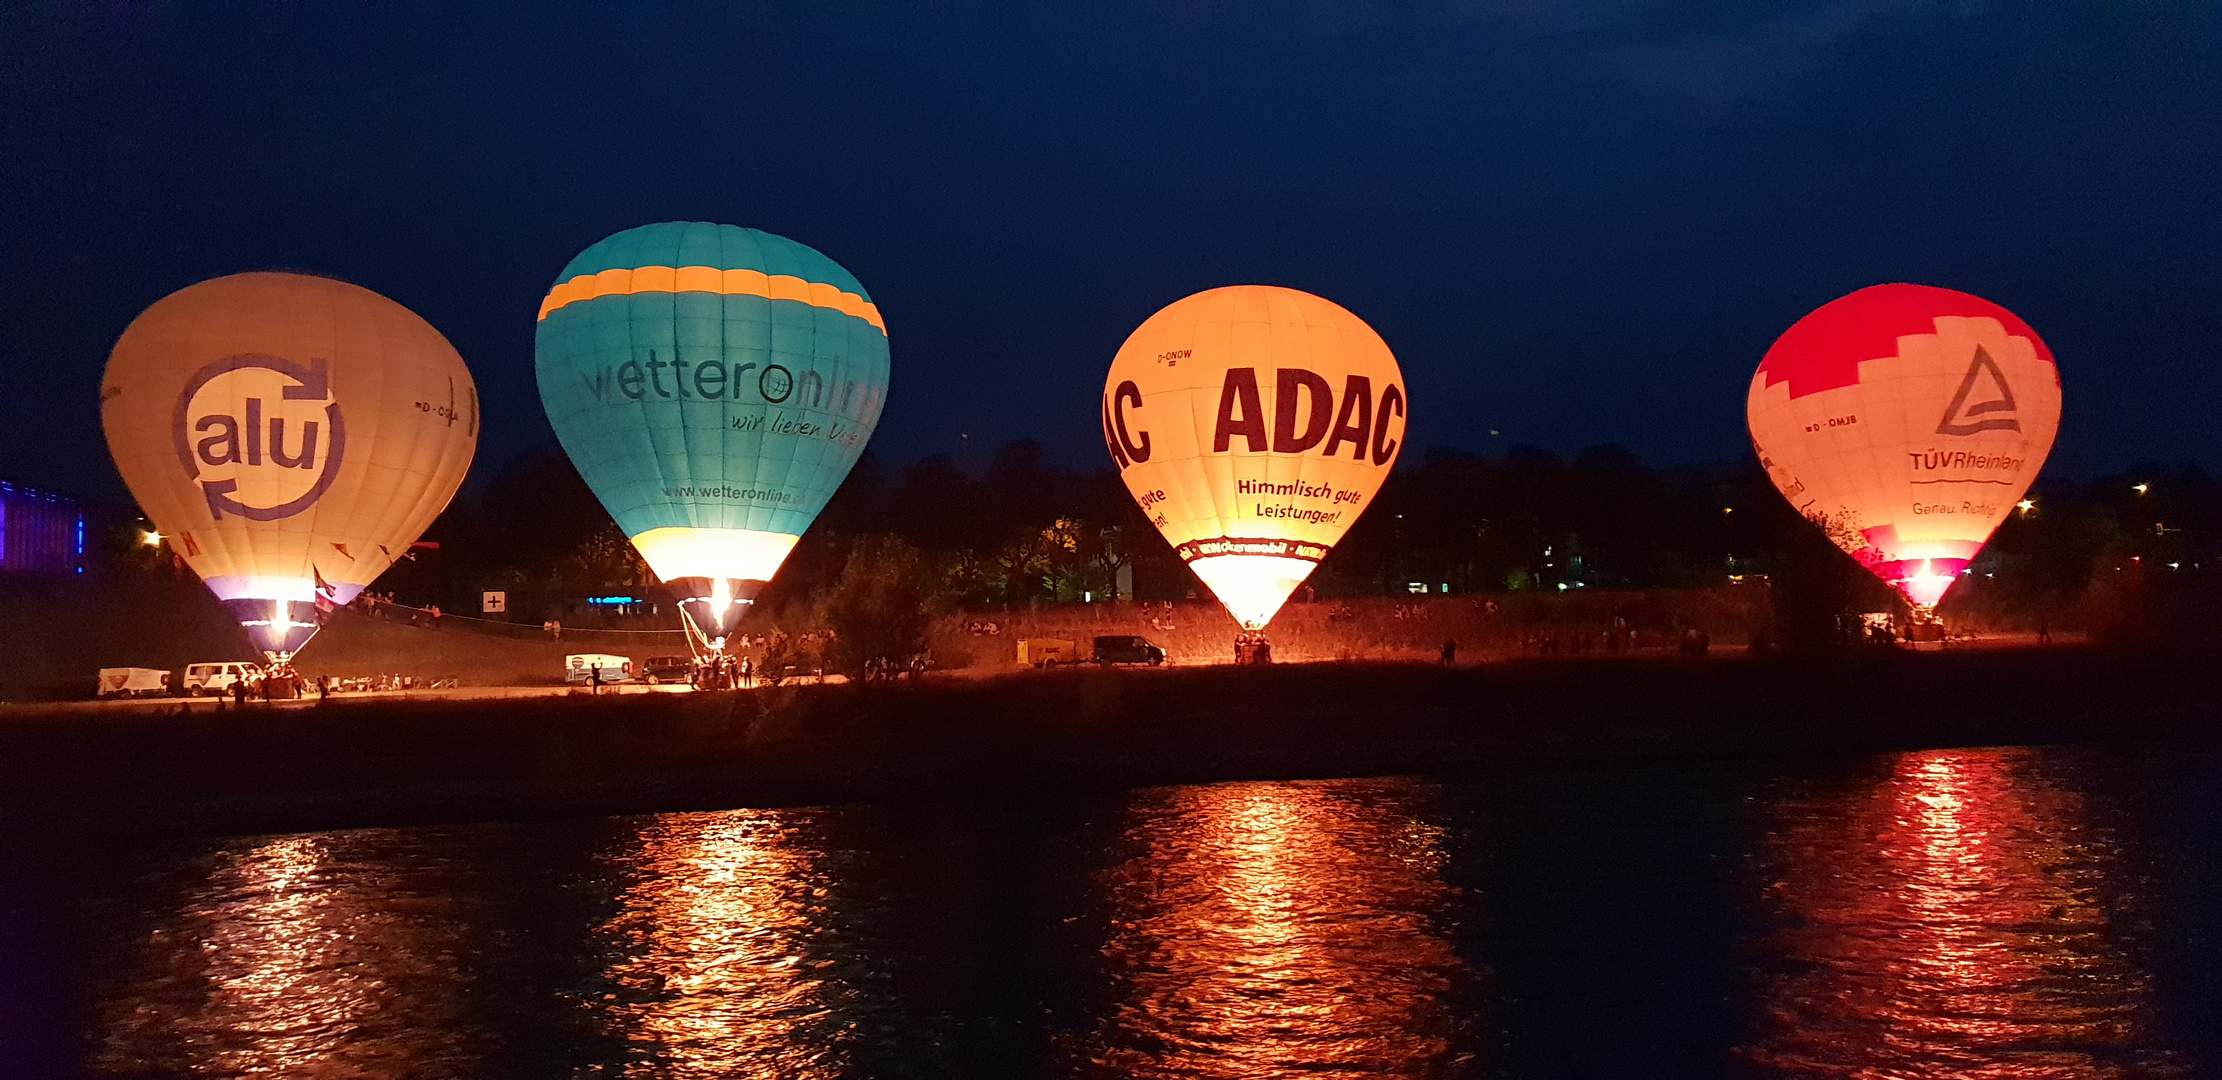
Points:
(2140, 488)
(151, 538)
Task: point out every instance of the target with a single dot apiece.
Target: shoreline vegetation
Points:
(70, 775)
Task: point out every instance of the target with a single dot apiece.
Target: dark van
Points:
(1127, 649)
(668, 669)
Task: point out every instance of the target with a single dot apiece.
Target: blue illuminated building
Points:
(40, 532)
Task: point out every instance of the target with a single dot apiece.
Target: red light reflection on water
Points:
(1279, 930)
(714, 976)
(1949, 922)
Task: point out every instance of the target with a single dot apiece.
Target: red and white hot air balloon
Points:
(1907, 421)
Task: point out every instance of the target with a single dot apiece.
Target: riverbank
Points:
(372, 763)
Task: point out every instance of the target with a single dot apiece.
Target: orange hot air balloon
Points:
(1906, 420)
(1253, 424)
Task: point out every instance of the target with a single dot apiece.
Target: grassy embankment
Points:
(1191, 633)
(390, 762)
(62, 631)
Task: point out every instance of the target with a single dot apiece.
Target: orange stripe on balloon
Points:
(710, 279)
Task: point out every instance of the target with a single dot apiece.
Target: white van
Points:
(217, 678)
(579, 668)
(133, 682)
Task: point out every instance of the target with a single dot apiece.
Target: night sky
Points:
(1575, 223)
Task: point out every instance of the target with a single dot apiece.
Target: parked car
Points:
(133, 682)
(1127, 649)
(663, 669)
(580, 667)
(217, 677)
(1047, 652)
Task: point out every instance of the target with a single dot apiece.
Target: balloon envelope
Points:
(1253, 424)
(292, 435)
(713, 384)
(1907, 420)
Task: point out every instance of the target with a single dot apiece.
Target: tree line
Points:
(1023, 531)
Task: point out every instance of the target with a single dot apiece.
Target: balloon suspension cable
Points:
(700, 646)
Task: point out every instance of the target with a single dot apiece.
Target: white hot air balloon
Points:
(292, 435)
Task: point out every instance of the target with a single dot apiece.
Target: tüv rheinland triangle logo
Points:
(1994, 409)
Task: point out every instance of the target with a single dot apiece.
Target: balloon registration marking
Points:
(1907, 421)
(1253, 424)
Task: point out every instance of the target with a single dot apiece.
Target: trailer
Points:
(584, 667)
(1047, 652)
(120, 682)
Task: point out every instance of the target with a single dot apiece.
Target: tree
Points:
(881, 605)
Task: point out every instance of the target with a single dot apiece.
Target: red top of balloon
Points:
(1823, 351)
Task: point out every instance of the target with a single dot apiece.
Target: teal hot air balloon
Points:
(713, 384)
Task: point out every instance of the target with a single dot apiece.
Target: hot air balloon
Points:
(713, 384)
(291, 434)
(1907, 421)
(1253, 424)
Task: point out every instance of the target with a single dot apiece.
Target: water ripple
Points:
(1951, 920)
(1280, 930)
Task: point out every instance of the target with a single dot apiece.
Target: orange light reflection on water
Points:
(1280, 929)
(299, 956)
(1950, 922)
(716, 977)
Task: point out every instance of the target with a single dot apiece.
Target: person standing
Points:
(1450, 651)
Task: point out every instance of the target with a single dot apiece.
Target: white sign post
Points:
(493, 602)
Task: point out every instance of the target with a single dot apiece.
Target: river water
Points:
(1961, 913)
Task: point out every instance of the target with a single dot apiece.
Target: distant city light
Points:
(151, 538)
(2026, 505)
(2140, 488)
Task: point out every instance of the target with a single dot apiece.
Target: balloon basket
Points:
(714, 667)
(1252, 649)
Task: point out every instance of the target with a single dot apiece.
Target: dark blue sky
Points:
(1574, 222)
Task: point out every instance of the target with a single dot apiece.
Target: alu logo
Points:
(1960, 417)
(208, 439)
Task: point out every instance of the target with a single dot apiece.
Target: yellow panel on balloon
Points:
(1253, 424)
